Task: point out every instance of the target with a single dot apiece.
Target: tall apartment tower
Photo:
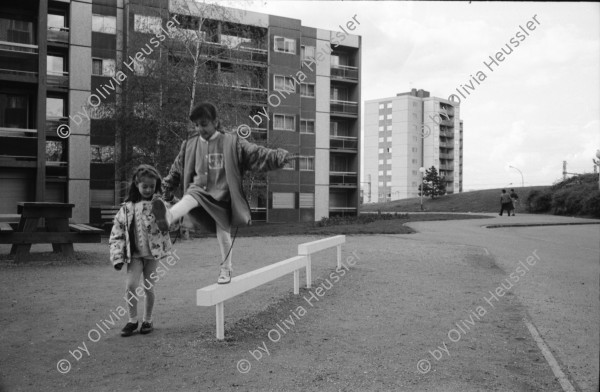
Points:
(56, 54)
(407, 132)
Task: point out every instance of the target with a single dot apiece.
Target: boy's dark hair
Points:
(143, 171)
(206, 110)
(503, 190)
(512, 190)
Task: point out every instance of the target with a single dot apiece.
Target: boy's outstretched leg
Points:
(224, 238)
(164, 216)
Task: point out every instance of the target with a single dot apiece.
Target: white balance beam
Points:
(308, 248)
(216, 294)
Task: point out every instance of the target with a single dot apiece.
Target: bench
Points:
(217, 294)
(107, 215)
(57, 230)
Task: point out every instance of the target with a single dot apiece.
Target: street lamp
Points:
(522, 182)
(422, 170)
(597, 162)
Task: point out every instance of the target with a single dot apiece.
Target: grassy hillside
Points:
(487, 200)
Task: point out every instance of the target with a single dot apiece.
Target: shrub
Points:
(539, 201)
(360, 219)
(591, 204)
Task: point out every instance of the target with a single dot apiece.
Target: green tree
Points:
(433, 185)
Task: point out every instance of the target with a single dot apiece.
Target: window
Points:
(380, 183)
(381, 129)
(147, 24)
(55, 65)
(338, 94)
(17, 31)
(283, 200)
(233, 41)
(55, 108)
(104, 24)
(389, 116)
(381, 117)
(335, 60)
(284, 83)
(414, 172)
(307, 52)
(56, 22)
(381, 172)
(381, 106)
(284, 45)
(102, 154)
(291, 165)
(104, 67)
(388, 105)
(307, 90)
(284, 122)
(307, 126)
(56, 151)
(307, 200)
(381, 161)
(15, 111)
(380, 139)
(307, 163)
(381, 150)
(389, 149)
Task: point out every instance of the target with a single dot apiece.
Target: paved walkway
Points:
(561, 295)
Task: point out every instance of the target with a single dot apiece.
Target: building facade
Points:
(58, 57)
(403, 134)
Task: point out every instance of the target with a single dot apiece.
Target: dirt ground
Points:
(367, 332)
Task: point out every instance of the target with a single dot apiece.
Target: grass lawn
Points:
(487, 200)
(381, 226)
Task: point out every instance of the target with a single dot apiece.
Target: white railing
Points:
(217, 294)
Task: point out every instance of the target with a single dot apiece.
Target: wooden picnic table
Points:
(57, 230)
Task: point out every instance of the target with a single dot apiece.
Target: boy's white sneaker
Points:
(224, 276)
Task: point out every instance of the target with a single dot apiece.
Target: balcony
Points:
(58, 35)
(18, 62)
(239, 54)
(447, 167)
(447, 134)
(447, 111)
(446, 156)
(18, 147)
(446, 145)
(342, 179)
(447, 123)
(344, 73)
(343, 108)
(52, 125)
(58, 80)
(343, 144)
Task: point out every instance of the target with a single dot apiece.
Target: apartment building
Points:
(57, 57)
(407, 132)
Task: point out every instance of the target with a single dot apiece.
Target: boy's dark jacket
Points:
(238, 155)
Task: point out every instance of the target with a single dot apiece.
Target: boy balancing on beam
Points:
(211, 164)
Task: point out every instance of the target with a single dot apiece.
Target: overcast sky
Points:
(537, 108)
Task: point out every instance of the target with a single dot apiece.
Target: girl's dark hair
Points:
(205, 110)
(143, 171)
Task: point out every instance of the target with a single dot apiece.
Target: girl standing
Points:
(135, 240)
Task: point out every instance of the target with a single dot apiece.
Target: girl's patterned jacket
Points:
(120, 249)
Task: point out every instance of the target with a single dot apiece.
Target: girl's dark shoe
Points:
(160, 214)
(146, 328)
(129, 329)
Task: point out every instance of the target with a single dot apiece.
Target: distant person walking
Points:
(515, 200)
(505, 202)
